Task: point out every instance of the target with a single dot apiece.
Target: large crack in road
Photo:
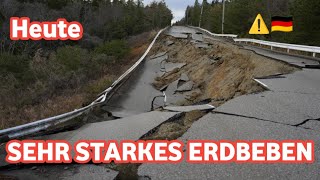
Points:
(192, 68)
(266, 120)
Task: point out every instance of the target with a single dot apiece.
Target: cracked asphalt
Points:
(290, 110)
(294, 60)
(229, 127)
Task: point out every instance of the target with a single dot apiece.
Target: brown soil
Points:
(168, 131)
(174, 130)
(220, 80)
(231, 75)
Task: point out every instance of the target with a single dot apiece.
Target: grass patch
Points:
(72, 57)
(115, 48)
(96, 87)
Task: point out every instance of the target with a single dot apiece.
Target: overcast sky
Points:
(177, 7)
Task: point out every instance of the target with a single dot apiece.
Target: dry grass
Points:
(223, 79)
(53, 106)
(70, 99)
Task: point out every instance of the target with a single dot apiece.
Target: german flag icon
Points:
(284, 24)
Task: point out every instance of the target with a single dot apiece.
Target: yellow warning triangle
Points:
(259, 26)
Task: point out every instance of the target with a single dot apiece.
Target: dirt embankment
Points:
(221, 72)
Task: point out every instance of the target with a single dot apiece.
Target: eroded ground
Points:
(221, 72)
(190, 70)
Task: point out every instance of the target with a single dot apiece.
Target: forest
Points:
(240, 14)
(42, 78)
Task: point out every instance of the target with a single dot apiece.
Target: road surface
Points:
(289, 110)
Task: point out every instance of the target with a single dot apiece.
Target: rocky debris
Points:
(197, 37)
(160, 58)
(178, 35)
(215, 58)
(172, 66)
(193, 41)
(172, 88)
(185, 87)
(121, 113)
(176, 128)
(222, 71)
(169, 43)
(163, 88)
(160, 74)
(158, 55)
(175, 99)
(175, 90)
(189, 108)
(202, 45)
(170, 91)
(175, 86)
(184, 77)
(181, 29)
(192, 95)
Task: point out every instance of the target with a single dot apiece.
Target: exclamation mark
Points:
(259, 25)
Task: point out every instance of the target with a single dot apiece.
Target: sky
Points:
(177, 7)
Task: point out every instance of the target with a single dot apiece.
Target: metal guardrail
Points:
(311, 49)
(41, 125)
(217, 35)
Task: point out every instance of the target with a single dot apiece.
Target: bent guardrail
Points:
(217, 35)
(311, 49)
(288, 47)
(42, 125)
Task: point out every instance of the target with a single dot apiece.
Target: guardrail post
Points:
(313, 51)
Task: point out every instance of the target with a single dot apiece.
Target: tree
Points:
(240, 14)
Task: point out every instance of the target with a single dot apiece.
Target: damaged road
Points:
(226, 127)
(200, 87)
(288, 110)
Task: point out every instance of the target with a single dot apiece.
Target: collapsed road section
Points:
(197, 87)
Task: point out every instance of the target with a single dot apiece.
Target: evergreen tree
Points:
(240, 14)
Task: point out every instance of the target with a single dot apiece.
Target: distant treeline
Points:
(240, 14)
(102, 20)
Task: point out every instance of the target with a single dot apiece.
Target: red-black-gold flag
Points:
(284, 24)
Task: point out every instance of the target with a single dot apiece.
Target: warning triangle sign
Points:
(259, 26)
